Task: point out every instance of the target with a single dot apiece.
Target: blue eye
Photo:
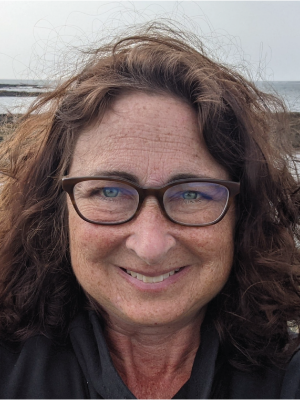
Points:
(195, 195)
(111, 192)
(190, 195)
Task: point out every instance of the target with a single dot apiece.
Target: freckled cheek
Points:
(214, 248)
(90, 242)
(89, 251)
(211, 241)
(216, 260)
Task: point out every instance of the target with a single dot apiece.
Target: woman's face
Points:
(153, 138)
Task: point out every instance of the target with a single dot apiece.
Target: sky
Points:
(261, 38)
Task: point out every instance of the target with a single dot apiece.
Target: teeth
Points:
(157, 279)
(139, 276)
(147, 279)
(150, 279)
(134, 274)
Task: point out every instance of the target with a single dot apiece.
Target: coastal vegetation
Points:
(295, 128)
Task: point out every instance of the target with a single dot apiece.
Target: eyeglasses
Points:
(108, 201)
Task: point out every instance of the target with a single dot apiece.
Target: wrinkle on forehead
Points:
(142, 144)
(142, 138)
(147, 118)
(153, 137)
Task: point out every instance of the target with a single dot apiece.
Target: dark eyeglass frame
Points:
(68, 184)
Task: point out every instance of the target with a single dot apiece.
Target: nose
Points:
(151, 238)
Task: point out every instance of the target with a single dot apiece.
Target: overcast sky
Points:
(262, 36)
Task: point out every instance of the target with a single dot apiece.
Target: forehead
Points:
(149, 136)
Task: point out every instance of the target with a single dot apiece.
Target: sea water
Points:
(289, 91)
(19, 104)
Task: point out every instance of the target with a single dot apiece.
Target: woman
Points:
(148, 233)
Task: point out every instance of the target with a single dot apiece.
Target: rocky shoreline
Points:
(20, 90)
(295, 128)
(8, 123)
(15, 93)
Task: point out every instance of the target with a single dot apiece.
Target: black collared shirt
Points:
(82, 368)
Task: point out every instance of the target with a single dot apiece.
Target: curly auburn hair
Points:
(245, 130)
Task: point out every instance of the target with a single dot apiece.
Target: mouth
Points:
(152, 279)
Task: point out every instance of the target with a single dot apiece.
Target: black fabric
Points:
(82, 368)
(200, 383)
(93, 356)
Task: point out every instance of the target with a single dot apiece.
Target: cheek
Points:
(90, 247)
(214, 241)
(214, 247)
(87, 238)
(89, 250)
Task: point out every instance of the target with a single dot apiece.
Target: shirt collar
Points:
(104, 381)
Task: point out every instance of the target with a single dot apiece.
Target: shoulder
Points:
(291, 381)
(39, 368)
(266, 382)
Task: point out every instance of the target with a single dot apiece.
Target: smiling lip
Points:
(151, 279)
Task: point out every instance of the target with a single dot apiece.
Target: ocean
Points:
(288, 90)
(14, 94)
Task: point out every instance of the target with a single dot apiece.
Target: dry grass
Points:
(295, 127)
(7, 124)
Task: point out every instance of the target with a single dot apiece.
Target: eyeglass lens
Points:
(105, 201)
(196, 202)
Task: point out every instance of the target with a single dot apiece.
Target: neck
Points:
(154, 362)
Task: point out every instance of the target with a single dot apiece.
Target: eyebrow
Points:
(117, 174)
(186, 176)
(134, 179)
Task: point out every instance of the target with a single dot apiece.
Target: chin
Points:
(152, 316)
